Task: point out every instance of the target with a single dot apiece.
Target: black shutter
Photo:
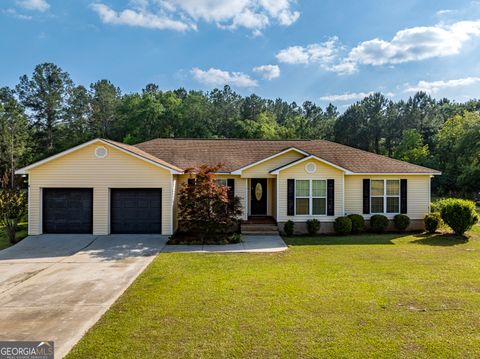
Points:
(231, 191)
(366, 196)
(290, 197)
(330, 197)
(403, 196)
(191, 181)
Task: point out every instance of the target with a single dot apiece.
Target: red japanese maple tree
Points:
(205, 208)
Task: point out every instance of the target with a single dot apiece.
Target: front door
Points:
(258, 196)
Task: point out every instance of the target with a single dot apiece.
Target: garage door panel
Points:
(67, 210)
(136, 210)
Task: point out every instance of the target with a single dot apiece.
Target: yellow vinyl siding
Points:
(262, 170)
(324, 172)
(82, 169)
(418, 194)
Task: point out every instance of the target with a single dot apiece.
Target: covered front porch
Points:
(260, 206)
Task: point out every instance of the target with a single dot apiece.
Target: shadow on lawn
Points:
(440, 239)
(358, 239)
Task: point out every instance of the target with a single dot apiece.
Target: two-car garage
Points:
(100, 188)
(132, 210)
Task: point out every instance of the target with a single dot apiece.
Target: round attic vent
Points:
(311, 167)
(101, 152)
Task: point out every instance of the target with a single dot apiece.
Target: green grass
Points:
(387, 296)
(22, 233)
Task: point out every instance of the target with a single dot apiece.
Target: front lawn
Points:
(22, 233)
(359, 296)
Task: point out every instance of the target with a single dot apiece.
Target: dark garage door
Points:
(136, 210)
(67, 210)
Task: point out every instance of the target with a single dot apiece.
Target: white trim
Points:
(313, 170)
(172, 203)
(101, 148)
(277, 171)
(343, 196)
(277, 214)
(218, 180)
(246, 198)
(310, 198)
(29, 225)
(385, 195)
(393, 174)
(26, 169)
(429, 194)
(239, 171)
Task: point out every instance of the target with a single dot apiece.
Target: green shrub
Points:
(432, 222)
(358, 223)
(401, 222)
(288, 228)
(378, 223)
(459, 214)
(436, 206)
(13, 207)
(343, 225)
(313, 226)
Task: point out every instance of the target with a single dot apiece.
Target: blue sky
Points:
(319, 50)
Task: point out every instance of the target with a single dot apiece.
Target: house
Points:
(104, 187)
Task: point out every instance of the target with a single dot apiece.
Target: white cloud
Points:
(351, 96)
(415, 44)
(435, 86)
(268, 72)
(216, 77)
(37, 5)
(255, 15)
(345, 67)
(323, 53)
(444, 12)
(139, 19)
(16, 14)
(407, 45)
(348, 96)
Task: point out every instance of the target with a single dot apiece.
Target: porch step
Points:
(260, 220)
(252, 233)
(260, 228)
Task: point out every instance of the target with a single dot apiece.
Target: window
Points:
(385, 196)
(221, 182)
(302, 197)
(310, 197)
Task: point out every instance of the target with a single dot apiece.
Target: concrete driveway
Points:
(55, 287)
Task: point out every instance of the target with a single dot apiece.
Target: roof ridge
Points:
(224, 139)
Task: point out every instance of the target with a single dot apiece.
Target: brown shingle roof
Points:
(143, 154)
(237, 153)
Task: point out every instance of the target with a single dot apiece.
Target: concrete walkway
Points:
(55, 287)
(250, 244)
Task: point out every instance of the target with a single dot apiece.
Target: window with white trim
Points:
(221, 182)
(310, 197)
(385, 196)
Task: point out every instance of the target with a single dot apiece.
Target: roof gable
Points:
(269, 158)
(130, 150)
(311, 157)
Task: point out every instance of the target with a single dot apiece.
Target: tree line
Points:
(47, 112)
